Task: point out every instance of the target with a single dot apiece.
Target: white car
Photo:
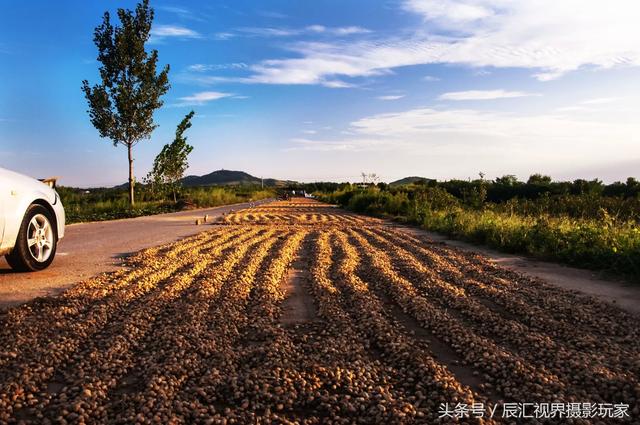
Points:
(31, 221)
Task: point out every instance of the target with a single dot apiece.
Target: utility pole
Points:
(262, 182)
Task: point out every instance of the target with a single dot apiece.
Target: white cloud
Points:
(451, 135)
(160, 32)
(181, 12)
(390, 97)
(483, 95)
(352, 145)
(268, 32)
(450, 13)
(202, 97)
(575, 108)
(199, 67)
(548, 37)
(309, 131)
(223, 36)
(430, 78)
(336, 84)
(481, 72)
(599, 101)
(311, 29)
(556, 37)
(589, 105)
(349, 30)
(316, 28)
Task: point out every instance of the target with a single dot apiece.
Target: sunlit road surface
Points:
(91, 248)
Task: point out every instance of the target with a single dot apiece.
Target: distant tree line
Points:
(583, 222)
(538, 195)
(503, 188)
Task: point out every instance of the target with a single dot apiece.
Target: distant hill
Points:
(409, 180)
(230, 177)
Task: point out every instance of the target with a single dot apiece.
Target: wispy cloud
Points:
(483, 135)
(480, 33)
(599, 101)
(337, 30)
(223, 36)
(481, 72)
(524, 34)
(199, 67)
(267, 32)
(390, 97)
(161, 32)
(589, 105)
(202, 97)
(352, 145)
(311, 29)
(456, 14)
(337, 84)
(575, 108)
(275, 78)
(309, 131)
(182, 12)
(430, 78)
(483, 95)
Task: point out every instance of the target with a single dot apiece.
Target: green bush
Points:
(83, 205)
(602, 243)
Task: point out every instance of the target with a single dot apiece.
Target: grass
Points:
(83, 205)
(581, 242)
(603, 243)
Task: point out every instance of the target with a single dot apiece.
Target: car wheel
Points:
(37, 241)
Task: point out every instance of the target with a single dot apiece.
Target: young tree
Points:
(121, 107)
(171, 163)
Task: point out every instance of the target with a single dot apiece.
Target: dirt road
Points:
(92, 248)
(296, 312)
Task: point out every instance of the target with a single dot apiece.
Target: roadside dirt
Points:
(298, 307)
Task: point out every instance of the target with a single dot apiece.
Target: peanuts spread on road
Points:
(194, 332)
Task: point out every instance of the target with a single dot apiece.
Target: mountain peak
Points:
(224, 177)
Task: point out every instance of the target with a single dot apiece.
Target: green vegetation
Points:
(582, 223)
(171, 163)
(108, 204)
(121, 106)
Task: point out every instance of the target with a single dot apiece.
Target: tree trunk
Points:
(132, 200)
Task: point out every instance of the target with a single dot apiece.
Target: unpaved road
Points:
(296, 312)
(91, 248)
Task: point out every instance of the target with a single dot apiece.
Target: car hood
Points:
(21, 183)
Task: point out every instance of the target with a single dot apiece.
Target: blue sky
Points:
(325, 90)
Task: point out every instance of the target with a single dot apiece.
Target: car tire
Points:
(37, 241)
